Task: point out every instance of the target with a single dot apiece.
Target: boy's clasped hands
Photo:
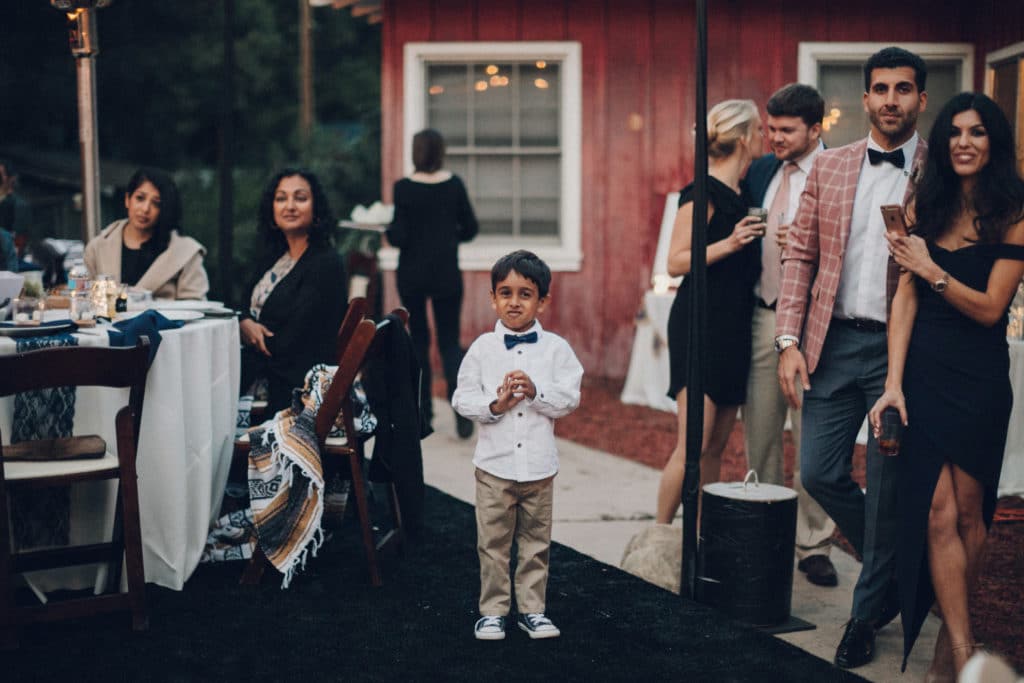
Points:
(516, 386)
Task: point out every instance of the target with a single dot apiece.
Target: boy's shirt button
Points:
(519, 445)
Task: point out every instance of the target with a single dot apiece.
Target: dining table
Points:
(185, 447)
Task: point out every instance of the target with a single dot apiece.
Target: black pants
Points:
(446, 323)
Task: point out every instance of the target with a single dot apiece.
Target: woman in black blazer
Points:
(299, 297)
(432, 216)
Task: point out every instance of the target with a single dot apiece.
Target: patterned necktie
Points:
(771, 256)
(895, 157)
(513, 339)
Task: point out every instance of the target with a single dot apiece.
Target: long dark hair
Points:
(170, 203)
(321, 232)
(998, 196)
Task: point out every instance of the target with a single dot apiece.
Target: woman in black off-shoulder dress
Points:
(949, 365)
(734, 264)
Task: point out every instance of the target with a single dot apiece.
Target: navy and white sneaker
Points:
(490, 628)
(537, 625)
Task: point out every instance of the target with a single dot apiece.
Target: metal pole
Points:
(698, 317)
(306, 102)
(226, 161)
(82, 27)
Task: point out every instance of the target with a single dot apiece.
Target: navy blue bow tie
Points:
(513, 339)
(895, 157)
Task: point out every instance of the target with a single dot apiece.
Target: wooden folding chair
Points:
(55, 462)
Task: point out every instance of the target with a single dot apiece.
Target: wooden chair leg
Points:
(133, 554)
(363, 508)
(254, 568)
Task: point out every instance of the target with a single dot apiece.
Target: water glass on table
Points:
(890, 432)
(28, 310)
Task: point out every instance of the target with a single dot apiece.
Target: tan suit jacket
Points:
(177, 273)
(812, 261)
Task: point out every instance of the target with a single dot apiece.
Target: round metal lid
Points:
(750, 489)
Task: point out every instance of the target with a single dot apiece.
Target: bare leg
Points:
(718, 423)
(948, 555)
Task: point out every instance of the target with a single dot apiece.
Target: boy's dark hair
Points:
(893, 58)
(427, 151)
(797, 99)
(527, 264)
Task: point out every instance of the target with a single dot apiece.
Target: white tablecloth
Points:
(185, 446)
(648, 377)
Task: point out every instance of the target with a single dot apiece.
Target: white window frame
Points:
(810, 54)
(481, 253)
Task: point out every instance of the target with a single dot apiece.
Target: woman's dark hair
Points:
(170, 203)
(321, 232)
(527, 264)
(427, 151)
(998, 195)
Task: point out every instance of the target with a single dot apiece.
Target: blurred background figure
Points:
(432, 216)
(146, 249)
(298, 296)
(14, 216)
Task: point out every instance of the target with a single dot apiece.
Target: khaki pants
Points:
(507, 509)
(764, 417)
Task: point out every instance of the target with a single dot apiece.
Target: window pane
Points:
(540, 192)
(493, 104)
(842, 86)
(539, 97)
(492, 196)
(448, 102)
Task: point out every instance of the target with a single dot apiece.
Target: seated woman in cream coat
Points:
(145, 250)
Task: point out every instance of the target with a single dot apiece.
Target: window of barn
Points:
(510, 116)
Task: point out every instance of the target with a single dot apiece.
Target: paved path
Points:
(602, 500)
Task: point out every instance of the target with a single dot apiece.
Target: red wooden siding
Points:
(637, 114)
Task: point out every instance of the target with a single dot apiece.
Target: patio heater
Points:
(81, 19)
(698, 316)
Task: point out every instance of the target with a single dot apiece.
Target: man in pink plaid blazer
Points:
(837, 279)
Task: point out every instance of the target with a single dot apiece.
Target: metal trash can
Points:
(745, 557)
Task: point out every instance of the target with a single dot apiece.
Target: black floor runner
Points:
(331, 625)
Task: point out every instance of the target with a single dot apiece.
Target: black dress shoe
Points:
(890, 606)
(857, 646)
(819, 570)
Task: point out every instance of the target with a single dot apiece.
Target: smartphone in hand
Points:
(892, 214)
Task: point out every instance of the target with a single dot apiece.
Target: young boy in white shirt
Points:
(515, 381)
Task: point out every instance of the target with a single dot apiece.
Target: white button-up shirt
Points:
(862, 284)
(518, 445)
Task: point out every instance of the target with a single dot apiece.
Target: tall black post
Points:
(226, 161)
(698, 316)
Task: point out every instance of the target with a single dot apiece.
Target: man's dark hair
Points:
(893, 58)
(527, 264)
(797, 99)
(427, 151)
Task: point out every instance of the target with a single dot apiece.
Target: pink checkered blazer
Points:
(813, 258)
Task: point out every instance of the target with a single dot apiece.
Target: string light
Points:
(436, 89)
(541, 83)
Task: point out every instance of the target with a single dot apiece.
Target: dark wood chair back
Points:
(73, 366)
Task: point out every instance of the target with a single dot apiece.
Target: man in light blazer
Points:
(775, 182)
(837, 280)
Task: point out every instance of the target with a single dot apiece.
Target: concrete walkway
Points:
(602, 500)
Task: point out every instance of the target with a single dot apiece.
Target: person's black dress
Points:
(957, 388)
(730, 307)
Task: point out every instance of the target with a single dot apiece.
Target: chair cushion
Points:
(67, 448)
(21, 471)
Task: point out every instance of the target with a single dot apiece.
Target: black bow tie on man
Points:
(513, 339)
(894, 157)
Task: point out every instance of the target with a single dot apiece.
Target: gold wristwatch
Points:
(941, 284)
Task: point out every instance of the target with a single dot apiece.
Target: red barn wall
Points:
(638, 60)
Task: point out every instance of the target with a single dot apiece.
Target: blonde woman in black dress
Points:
(734, 262)
(949, 365)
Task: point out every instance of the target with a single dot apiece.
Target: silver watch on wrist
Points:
(941, 284)
(784, 341)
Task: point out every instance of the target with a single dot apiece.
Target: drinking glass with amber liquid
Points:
(890, 432)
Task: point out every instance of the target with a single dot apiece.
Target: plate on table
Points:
(169, 313)
(44, 328)
(184, 305)
(372, 227)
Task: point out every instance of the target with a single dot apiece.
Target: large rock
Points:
(656, 555)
